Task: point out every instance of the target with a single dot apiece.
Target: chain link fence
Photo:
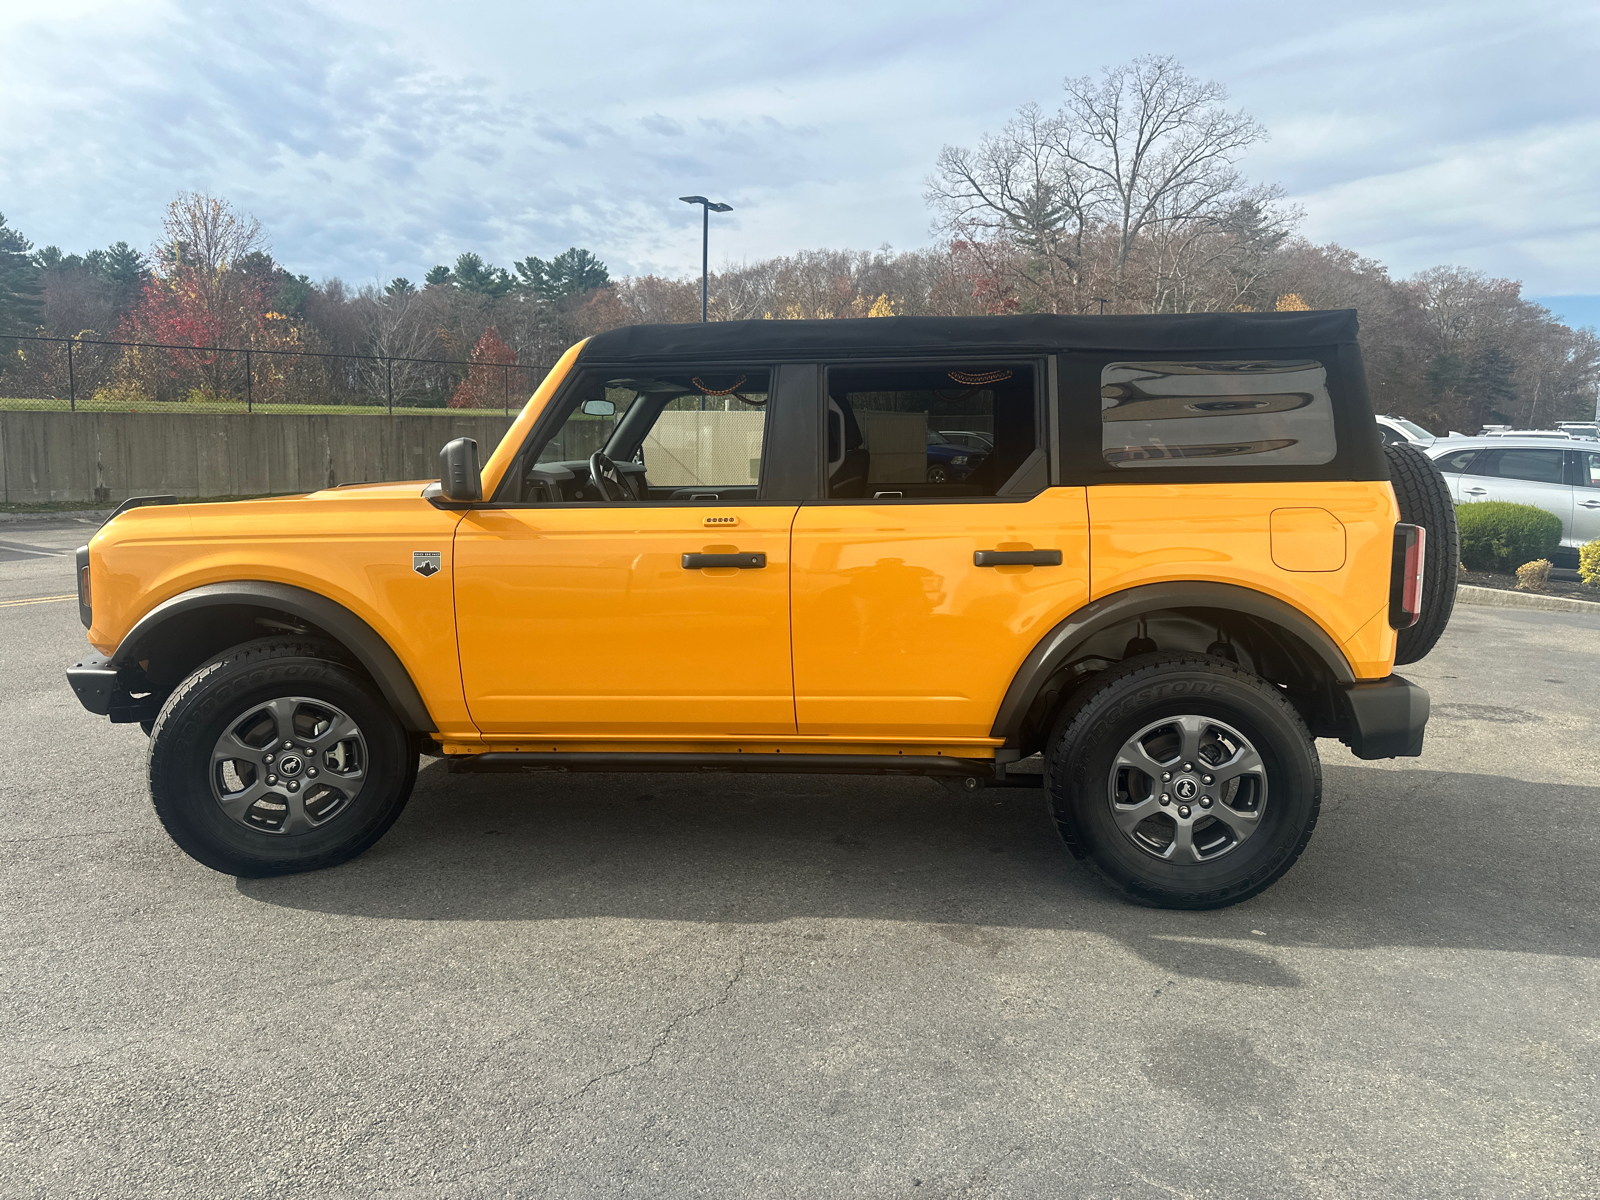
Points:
(96, 375)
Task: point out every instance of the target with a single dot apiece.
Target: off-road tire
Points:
(222, 691)
(1101, 717)
(1425, 500)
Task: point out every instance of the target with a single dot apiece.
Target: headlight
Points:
(959, 460)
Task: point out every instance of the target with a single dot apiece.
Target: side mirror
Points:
(460, 480)
(599, 408)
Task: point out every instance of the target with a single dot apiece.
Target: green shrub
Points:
(1589, 563)
(1495, 535)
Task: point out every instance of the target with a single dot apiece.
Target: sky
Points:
(375, 138)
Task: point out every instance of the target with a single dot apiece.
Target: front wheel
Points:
(274, 758)
(1183, 781)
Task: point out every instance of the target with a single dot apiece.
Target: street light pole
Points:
(707, 207)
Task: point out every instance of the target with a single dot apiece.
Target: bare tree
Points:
(1145, 152)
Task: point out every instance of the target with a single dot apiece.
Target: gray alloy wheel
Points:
(288, 766)
(1187, 789)
(278, 756)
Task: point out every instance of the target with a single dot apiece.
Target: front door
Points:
(936, 562)
(640, 592)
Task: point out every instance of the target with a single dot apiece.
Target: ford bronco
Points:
(1179, 560)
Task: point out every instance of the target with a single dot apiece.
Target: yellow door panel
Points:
(584, 621)
(1227, 533)
(898, 632)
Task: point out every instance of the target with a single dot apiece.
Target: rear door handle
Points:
(745, 562)
(1016, 558)
(1476, 491)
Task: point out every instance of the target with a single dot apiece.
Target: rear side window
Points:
(1588, 469)
(1536, 466)
(1258, 412)
(1457, 463)
(928, 431)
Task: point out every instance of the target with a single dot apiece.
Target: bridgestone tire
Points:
(1424, 499)
(1081, 761)
(224, 690)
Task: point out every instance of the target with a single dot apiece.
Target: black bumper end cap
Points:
(1387, 717)
(94, 682)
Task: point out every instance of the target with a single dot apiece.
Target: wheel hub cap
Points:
(1187, 789)
(288, 766)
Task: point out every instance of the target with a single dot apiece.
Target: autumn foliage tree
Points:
(486, 386)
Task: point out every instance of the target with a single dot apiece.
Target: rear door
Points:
(930, 568)
(1522, 475)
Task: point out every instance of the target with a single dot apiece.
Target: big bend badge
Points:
(425, 562)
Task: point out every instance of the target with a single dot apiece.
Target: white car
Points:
(1398, 429)
(1560, 476)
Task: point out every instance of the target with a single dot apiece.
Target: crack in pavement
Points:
(666, 1034)
(648, 1058)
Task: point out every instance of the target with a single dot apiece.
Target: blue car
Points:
(948, 461)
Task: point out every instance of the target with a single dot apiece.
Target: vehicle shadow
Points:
(1400, 858)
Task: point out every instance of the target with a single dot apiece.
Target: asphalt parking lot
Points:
(772, 986)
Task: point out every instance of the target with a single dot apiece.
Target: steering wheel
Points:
(607, 477)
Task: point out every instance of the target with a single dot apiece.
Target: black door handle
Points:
(1016, 558)
(745, 562)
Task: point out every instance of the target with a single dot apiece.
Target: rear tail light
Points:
(1405, 579)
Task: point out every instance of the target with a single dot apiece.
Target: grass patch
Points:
(228, 408)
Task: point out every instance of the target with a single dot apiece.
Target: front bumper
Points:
(1387, 718)
(101, 688)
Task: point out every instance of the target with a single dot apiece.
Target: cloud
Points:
(373, 138)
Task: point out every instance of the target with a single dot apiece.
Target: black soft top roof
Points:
(870, 337)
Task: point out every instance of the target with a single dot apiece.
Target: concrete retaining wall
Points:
(55, 456)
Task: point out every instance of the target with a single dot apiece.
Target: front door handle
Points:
(1589, 503)
(1016, 558)
(745, 562)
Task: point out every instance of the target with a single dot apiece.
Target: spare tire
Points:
(1425, 500)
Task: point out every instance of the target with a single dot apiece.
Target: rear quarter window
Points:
(1239, 413)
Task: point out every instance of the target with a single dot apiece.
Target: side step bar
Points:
(981, 771)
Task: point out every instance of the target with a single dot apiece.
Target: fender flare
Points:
(344, 626)
(1056, 647)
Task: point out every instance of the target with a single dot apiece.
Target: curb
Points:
(1496, 598)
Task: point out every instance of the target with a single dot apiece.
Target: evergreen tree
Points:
(1490, 382)
(477, 278)
(400, 286)
(21, 301)
(437, 276)
(570, 273)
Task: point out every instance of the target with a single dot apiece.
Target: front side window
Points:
(927, 430)
(1536, 466)
(671, 434)
(1246, 413)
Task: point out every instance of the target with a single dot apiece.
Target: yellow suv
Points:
(1162, 552)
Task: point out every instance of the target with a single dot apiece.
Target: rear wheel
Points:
(1424, 499)
(276, 757)
(1183, 781)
